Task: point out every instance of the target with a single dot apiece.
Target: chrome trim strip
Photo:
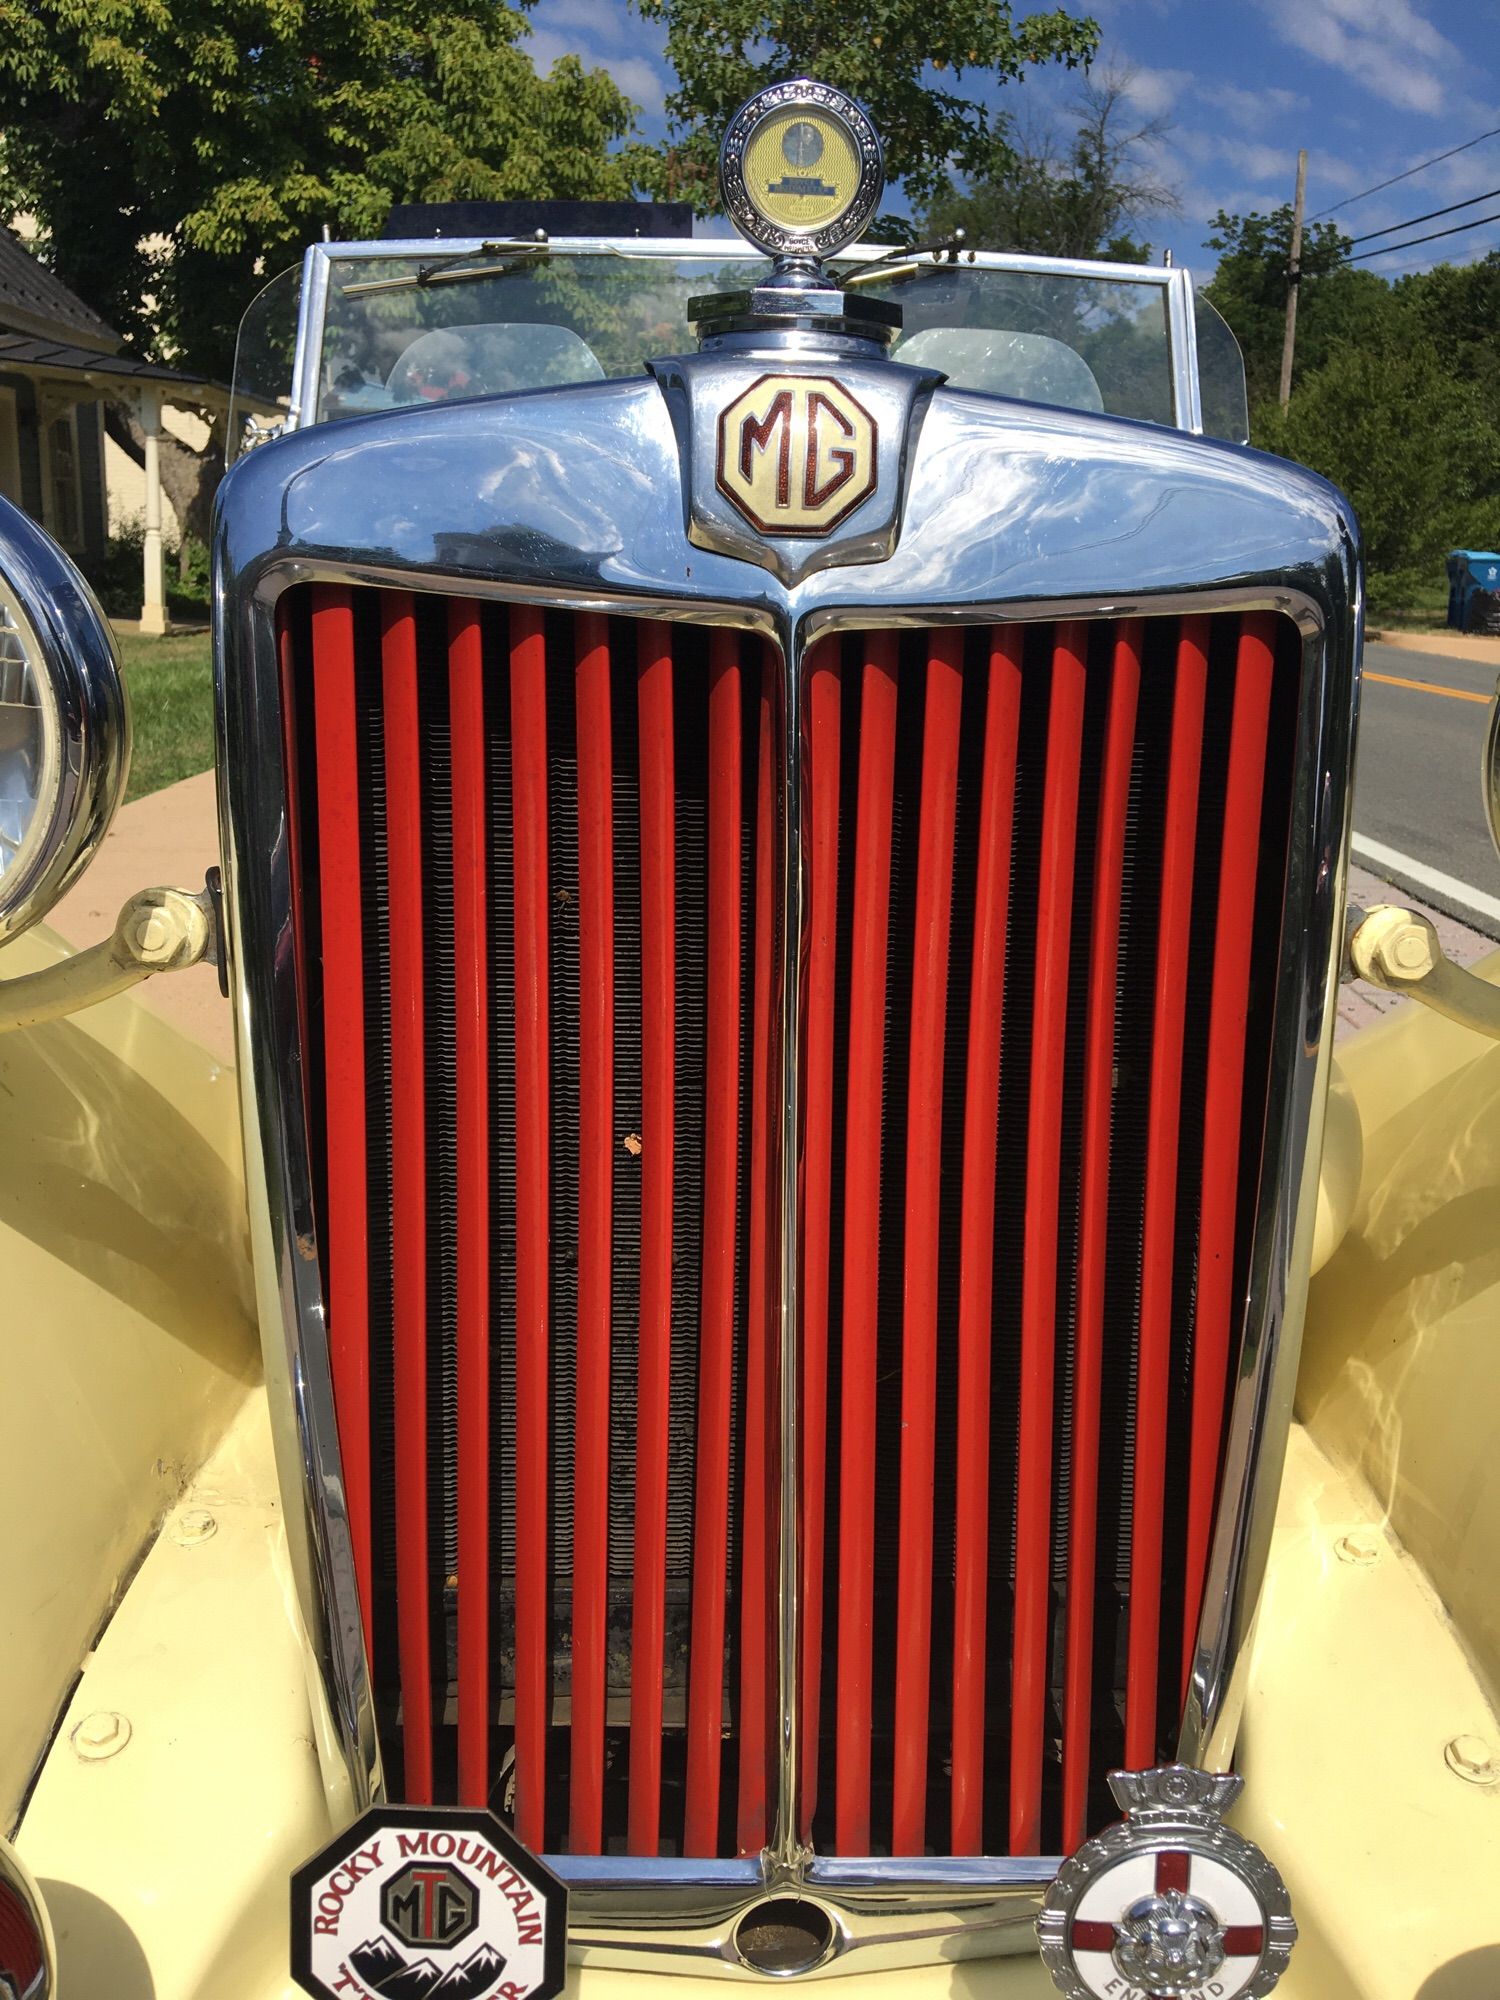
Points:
(981, 1873)
(1183, 331)
(785, 1854)
(269, 1061)
(684, 249)
(1281, 1251)
(1015, 514)
(685, 1916)
(317, 271)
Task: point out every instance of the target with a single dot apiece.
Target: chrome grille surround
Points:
(1013, 513)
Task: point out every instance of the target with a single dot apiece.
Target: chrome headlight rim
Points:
(86, 718)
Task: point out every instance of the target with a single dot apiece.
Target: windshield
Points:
(409, 324)
(260, 394)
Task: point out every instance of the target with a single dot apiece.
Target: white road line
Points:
(1428, 878)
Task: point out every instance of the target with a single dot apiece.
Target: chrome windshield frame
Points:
(1174, 281)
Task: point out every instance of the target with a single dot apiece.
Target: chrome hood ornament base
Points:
(1170, 1902)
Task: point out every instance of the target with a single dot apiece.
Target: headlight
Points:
(64, 723)
(28, 1957)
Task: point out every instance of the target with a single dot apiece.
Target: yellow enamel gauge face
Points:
(801, 168)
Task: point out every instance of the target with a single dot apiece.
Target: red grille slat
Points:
(924, 1133)
(347, 1208)
(654, 1379)
(528, 724)
(757, 1621)
(1093, 1223)
(867, 986)
(595, 1200)
(977, 1248)
(1039, 1277)
(1223, 1095)
(824, 720)
(1158, 1240)
(716, 1332)
(537, 881)
(403, 782)
(472, 1222)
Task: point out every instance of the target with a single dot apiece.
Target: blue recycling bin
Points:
(1474, 590)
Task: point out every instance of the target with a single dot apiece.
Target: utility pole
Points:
(1293, 280)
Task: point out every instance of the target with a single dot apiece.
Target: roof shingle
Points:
(33, 300)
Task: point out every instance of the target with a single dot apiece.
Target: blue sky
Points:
(1369, 87)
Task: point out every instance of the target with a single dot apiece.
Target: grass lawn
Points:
(171, 707)
(1427, 613)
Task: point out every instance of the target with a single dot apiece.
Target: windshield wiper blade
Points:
(901, 260)
(514, 256)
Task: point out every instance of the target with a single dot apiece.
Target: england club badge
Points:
(1170, 1904)
(428, 1903)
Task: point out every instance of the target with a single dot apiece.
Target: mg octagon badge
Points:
(423, 1903)
(796, 454)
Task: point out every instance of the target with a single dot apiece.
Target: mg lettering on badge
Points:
(429, 1903)
(796, 454)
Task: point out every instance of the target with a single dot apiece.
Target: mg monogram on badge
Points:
(796, 454)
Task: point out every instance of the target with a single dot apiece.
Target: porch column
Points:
(154, 599)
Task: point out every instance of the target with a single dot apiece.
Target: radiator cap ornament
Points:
(429, 1904)
(1169, 1903)
(801, 169)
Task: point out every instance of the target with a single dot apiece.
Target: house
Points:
(59, 364)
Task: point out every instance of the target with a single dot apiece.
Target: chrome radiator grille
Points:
(536, 867)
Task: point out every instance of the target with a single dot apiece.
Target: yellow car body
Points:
(157, 1758)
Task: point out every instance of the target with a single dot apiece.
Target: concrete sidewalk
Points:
(1457, 645)
(170, 839)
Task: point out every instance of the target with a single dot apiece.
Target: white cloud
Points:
(1256, 164)
(638, 80)
(1252, 108)
(1154, 91)
(589, 20)
(1389, 46)
(634, 75)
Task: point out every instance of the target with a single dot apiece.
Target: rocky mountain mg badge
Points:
(1170, 1904)
(428, 1903)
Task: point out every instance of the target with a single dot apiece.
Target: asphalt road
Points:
(1416, 781)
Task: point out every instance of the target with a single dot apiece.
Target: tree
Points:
(1455, 308)
(1081, 201)
(178, 152)
(1335, 302)
(1416, 450)
(879, 51)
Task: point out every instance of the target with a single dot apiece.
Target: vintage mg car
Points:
(741, 1392)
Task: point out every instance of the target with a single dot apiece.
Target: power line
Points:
(1420, 167)
(1431, 216)
(1457, 230)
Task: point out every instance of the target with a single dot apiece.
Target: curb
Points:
(1457, 645)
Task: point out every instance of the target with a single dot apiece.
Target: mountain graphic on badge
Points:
(387, 1973)
(476, 1975)
(376, 1959)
